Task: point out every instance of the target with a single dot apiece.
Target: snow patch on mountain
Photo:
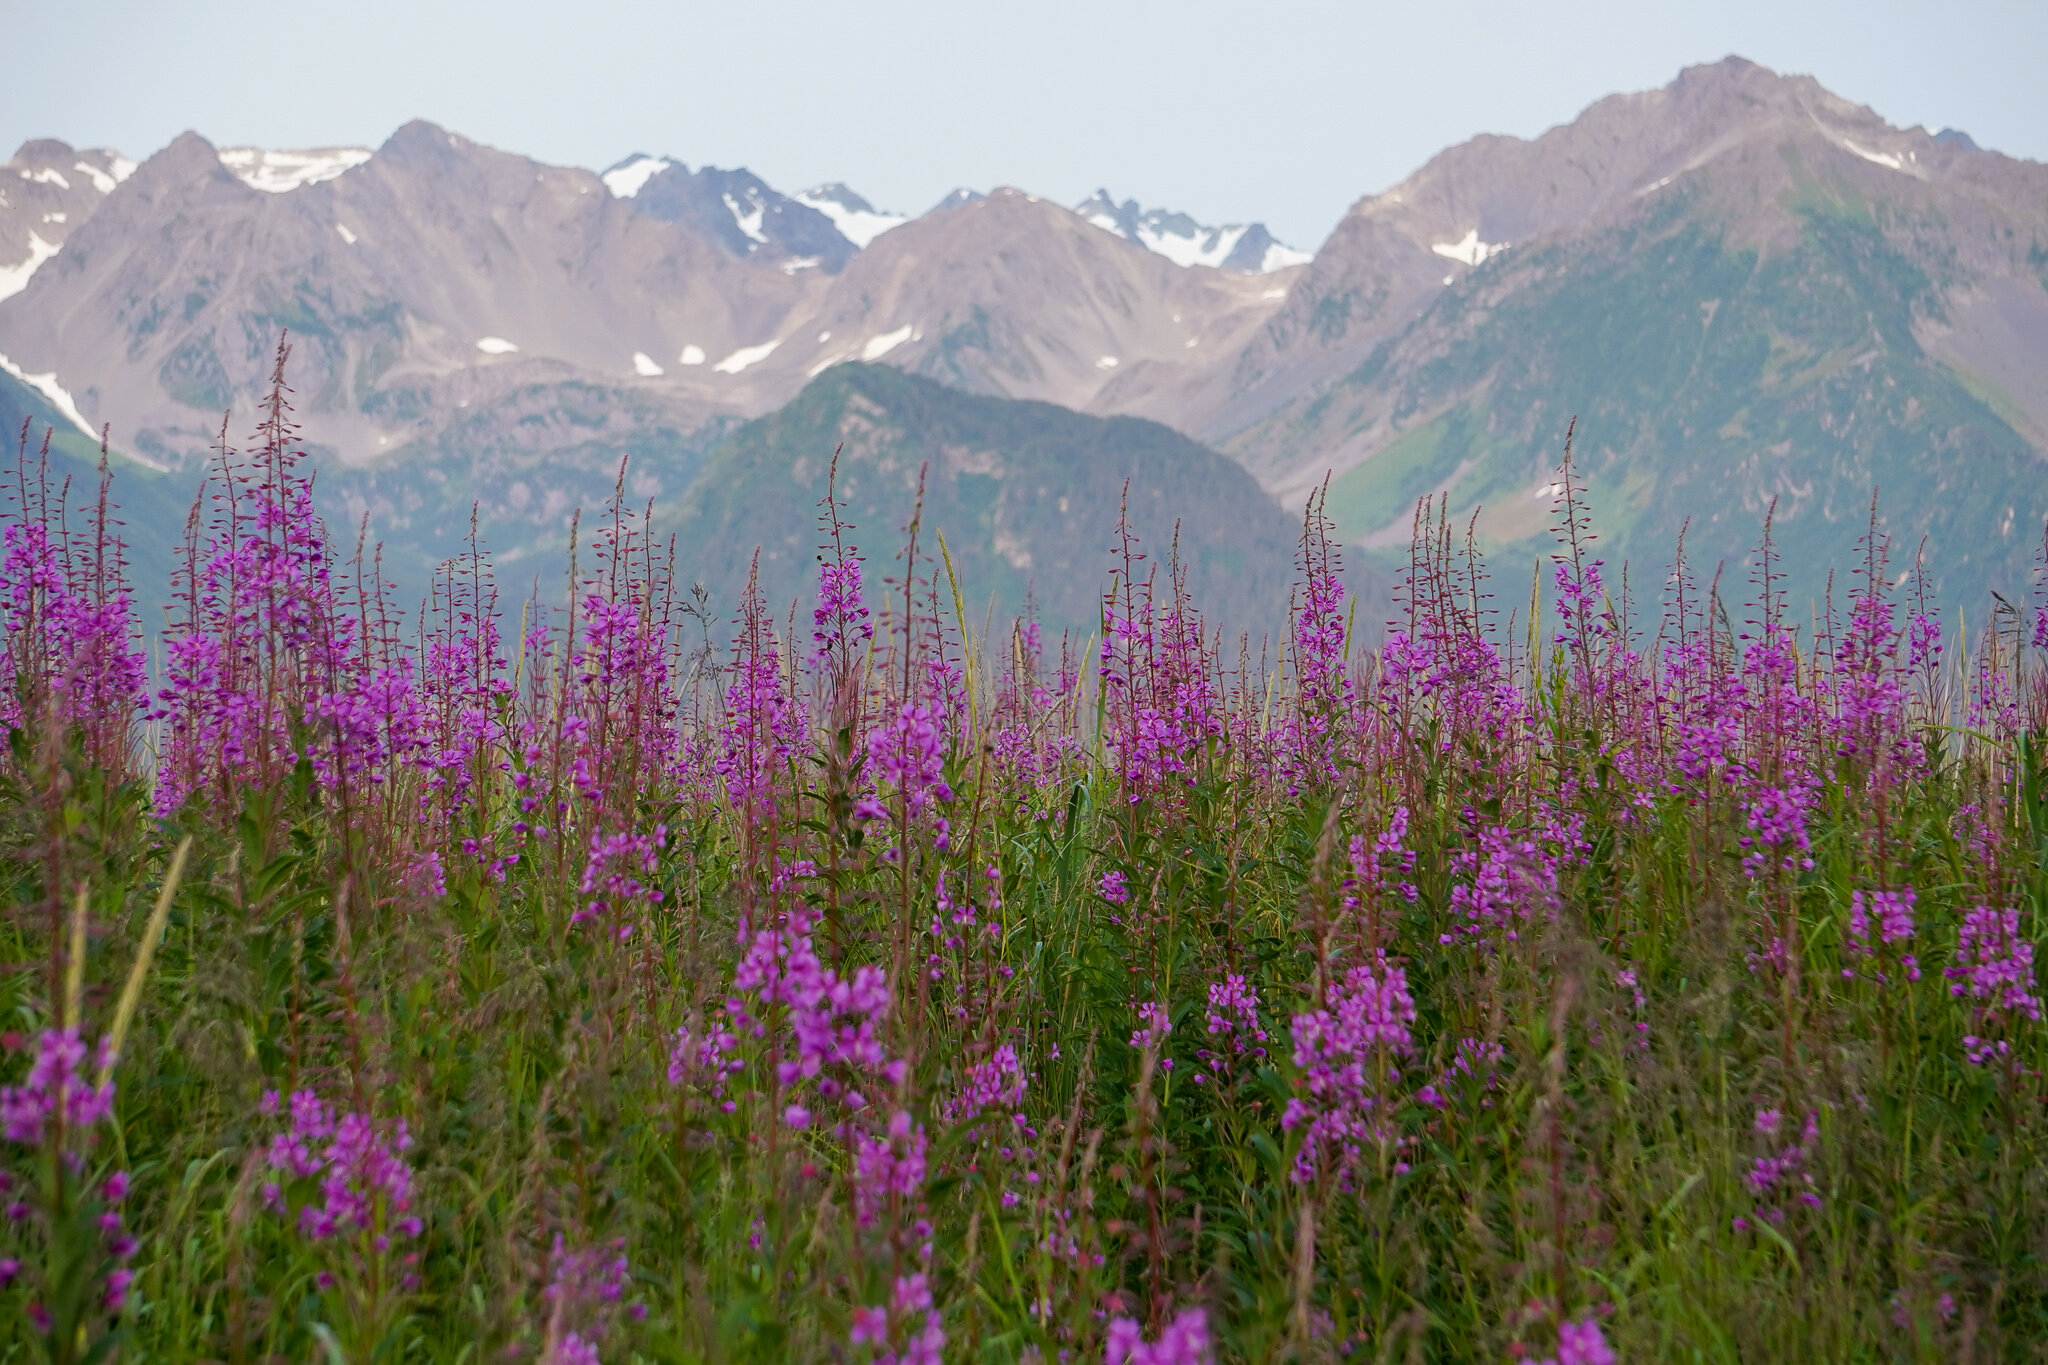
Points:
(276, 171)
(625, 179)
(745, 356)
(749, 218)
(117, 169)
(14, 278)
(1280, 257)
(1248, 247)
(644, 365)
(47, 385)
(496, 346)
(1210, 248)
(858, 221)
(1888, 160)
(880, 346)
(691, 355)
(1468, 249)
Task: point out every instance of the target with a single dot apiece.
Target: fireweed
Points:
(1599, 973)
(342, 1183)
(68, 1249)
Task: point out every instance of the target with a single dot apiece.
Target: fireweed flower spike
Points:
(1183, 1341)
(1994, 971)
(1346, 1054)
(341, 1182)
(1581, 1343)
(1236, 1036)
(586, 1294)
(1880, 921)
(362, 1181)
(51, 1122)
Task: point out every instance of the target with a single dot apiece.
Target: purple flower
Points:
(1154, 1023)
(887, 1167)
(922, 1345)
(357, 1165)
(1876, 922)
(55, 1089)
(1777, 830)
(870, 1325)
(1345, 1053)
(1234, 1027)
(1508, 876)
(1781, 1173)
(997, 1083)
(909, 751)
(586, 1287)
(1183, 1341)
(834, 1021)
(1581, 1343)
(1993, 968)
(840, 618)
(67, 631)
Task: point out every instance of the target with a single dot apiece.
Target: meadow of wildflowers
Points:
(578, 974)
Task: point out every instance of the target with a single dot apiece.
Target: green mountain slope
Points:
(527, 463)
(1710, 373)
(1025, 494)
(151, 505)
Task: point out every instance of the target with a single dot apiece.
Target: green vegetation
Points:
(1027, 496)
(1709, 380)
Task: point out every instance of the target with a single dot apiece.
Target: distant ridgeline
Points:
(1021, 503)
(1026, 496)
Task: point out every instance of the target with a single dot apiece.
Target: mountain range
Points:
(1751, 293)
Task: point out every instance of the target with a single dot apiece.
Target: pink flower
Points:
(1345, 1053)
(1183, 1341)
(56, 1088)
(1580, 1343)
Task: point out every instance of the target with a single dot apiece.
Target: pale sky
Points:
(1274, 110)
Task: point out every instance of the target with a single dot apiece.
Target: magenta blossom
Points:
(1183, 1341)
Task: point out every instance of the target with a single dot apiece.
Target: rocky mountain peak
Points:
(282, 170)
(1185, 242)
(735, 208)
(959, 198)
(47, 190)
(857, 220)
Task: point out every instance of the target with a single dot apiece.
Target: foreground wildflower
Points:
(1581, 1343)
(341, 1181)
(1994, 969)
(1183, 1341)
(73, 1274)
(1345, 1052)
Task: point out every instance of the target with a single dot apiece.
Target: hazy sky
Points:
(1266, 109)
